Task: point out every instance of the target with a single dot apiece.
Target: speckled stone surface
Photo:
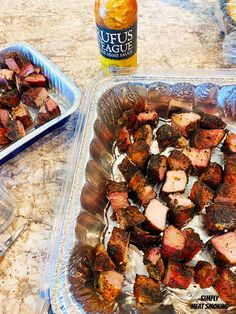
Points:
(172, 33)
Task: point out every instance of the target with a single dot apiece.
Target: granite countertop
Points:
(172, 33)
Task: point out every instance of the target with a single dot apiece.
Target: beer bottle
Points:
(116, 22)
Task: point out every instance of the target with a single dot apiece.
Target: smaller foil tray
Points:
(61, 89)
(82, 216)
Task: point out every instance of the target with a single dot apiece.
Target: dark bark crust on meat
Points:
(205, 274)
(178, 161)
(123, 140)
(129, 217)
(156, 169)
(230, 169)
(113, 186)
(225, 286)
(156, 270)
(144, 133)
(102, 261)
(147, 290)
(180, 215)
(139, 153)
(229, 145)
(207, 138)
(128, 169)
(193, 244)
(143, 239)
(201, 195)
(226, 194)
(166, 136)
(209, 121)
(212, 175)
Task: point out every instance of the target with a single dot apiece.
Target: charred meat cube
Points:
(166, 136)
(3, 138)
(118, 246)
(13, 62)
(205, 274)
(209, 121)
(47, 112)
(154, 263)
(22, 114)
(173, 242)
(156, 213)
(229, 145)
(21, 84)
(226, 194)
(225, 286)
(185, 123)
(110, 284)
(139, 152)
(129, 217)
(36, 80)
(151, 118)
(220, 216)
(207, 138)
(201, 195)
(199, 158)
(10, 98)
(156, 169)
(127, 119)
(230, 169)
(143, 239)
(182, 142)
(178, 161)
(35, 97)
(4, 117)
(146, 290)
(212, 175)
(176, 181)
(15, 130)
(178, 275)
(144, 133)
(26, 69)
(193, 244)
(181, 210)
(6, 79)
(223, 248)
(128, 169)
(102, 261)
(123, 140)
(118, 195)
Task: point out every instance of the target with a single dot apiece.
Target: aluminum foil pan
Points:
(85, 214)
(61, 89)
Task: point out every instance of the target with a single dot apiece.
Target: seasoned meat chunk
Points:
(181, 210)
(129, 217)
(143, 239)
(178, 275)
(4, 117)
(176, 181)
(35, 97)
(150, 118)
(102, 261)
(123, 140)
(230, 169)
(173, 242)
(193, 244)
(144, 133)
(212, 175)
(156, 169)
(9, 98)
(22, 114)
(48, 111)
(182, 142)
(26, 69)
(185, 123)
(226, 194)
(209, 121)
(128, 169)
(229, 145)
(118, 195)
(199, 158)
(207, 138)
(15, 130)
(3, 138)
(110, 284)
(201, 195)
(36, 80)
(6, 79)
(127, 119)
(156, 213)
(139, 152)
(154, 263)
(166, 136)
(225, 286)
(178, 161)
(205, 274)
(146, 290)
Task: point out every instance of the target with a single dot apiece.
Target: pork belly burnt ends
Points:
(22, 114)
(15, 130)
(178, 275)
(102, 261)
(219, 217)
(205, 274)
(154, 263)
(139, 152)
(181, 210)
(129, 217)
(230, 169)
(156, 214)
(178, 161)
(173, 242)
(209, 121)
(9, 98)
(117, 193)
(151, 118)
(226, 194)
(225, 286)
(123, 140)
(35, 97)
(147, 290)
(110, 284)
(212, 175)
(224, 248)
(118, 246)
(185, 123)
(199, 158)
(193, 244)
(4, 117)
(176, 181)
(36, 80)
(144, 133)
(156, 169)
(127, 119)
(166, 136)
(48, 111)
(201, 195)
(207, 138)
(229, 145)
(143, 239)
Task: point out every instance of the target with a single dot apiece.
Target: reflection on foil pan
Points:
(88, 222)
(61, 89)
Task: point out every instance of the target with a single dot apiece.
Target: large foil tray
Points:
(82, 216)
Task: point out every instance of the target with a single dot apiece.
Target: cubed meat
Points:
(139, 152)
(143, 239)
(128, 169)
(166, 136)
(193, 244)
(118, 246)
(178, 161)
(173, 243)
(36, 80)
(225, 286)
(156, 169)
(201, 195)
(224, 248)
(212, 175)
(206, 94)
(178, 275)
(151, 118)
(226, 194)
(21, 84)
(156, 214)
(118, 195)
(4, 117)
(147, 290)
(22, 114)
(203, 139)
(26, 69)
(182, 142)
(13, 62)
(110, 284)
(185, 123)
(229, 145)
(209, 121)
(123, 140)
(6, 79)
(3, 138)
(205, 274)
(220, 216)
(129, 217)
(9, 98)
(35, 97)
(47, 112)
(176, 181)
(102, 261)
(144, 133)
(15, 130)
(158, 97)
(154, 263)
(199, 158)
(230, 169)
(127, 119)
(181, 210)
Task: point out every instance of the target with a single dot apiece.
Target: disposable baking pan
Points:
(83, 217)
(61, 89)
